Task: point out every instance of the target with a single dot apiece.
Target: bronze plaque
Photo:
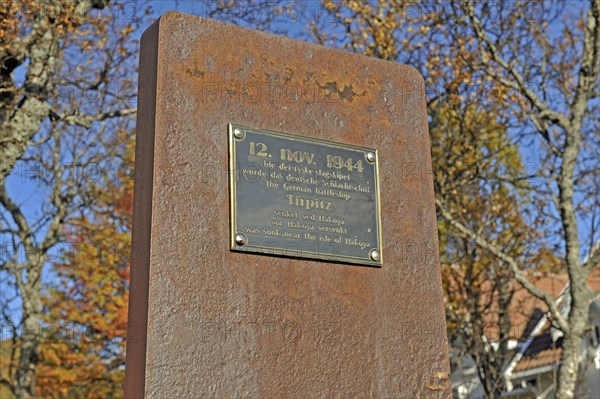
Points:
(303, 197)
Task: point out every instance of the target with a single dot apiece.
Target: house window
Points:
(532, 382)
(529, 383)
(596, 336)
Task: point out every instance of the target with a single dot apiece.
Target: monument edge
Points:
(135, 363)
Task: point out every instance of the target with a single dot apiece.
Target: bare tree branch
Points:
(510, 261)
(20, 125)
(518, 83)
(87, 120)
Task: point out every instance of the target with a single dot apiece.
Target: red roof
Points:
(542, 351)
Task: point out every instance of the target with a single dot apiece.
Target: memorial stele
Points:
(284, 229)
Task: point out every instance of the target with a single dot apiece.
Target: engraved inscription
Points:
(303, 197)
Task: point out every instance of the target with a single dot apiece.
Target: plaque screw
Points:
(375, 255)
(371, 157)
(240, 239)
(238, 134)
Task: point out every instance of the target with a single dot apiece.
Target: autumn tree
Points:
(67, 71)
(82, 354)
(505, 81)
(533, 66)
(554, 104)
(470, 148)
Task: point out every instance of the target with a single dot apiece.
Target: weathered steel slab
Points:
(207, 321)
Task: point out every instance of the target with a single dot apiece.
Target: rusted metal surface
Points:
(227, 324)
